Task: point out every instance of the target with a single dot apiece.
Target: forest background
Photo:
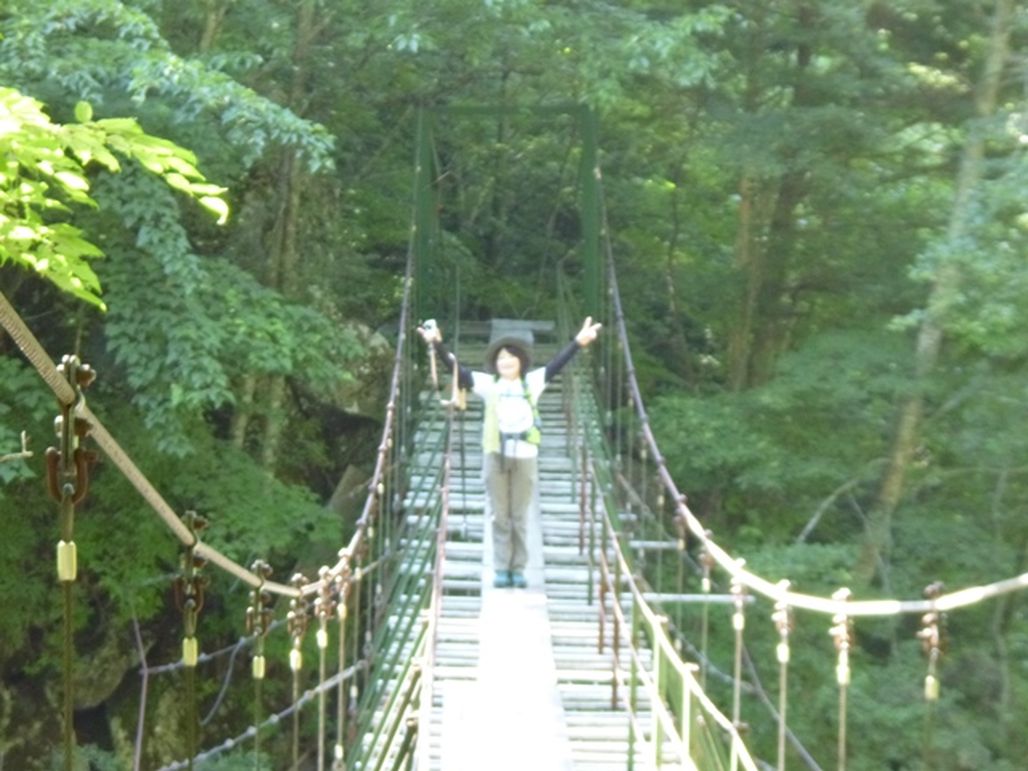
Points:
(819, 214)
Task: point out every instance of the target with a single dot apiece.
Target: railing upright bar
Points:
(633, 688)
(616, 637)
(656, 699)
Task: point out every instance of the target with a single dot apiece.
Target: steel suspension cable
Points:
(297, 622)
(346, 694)
(324, 609)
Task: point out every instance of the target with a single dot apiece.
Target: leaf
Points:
(41, 153)
(216, 205)
(197, 188)
(83, 112)
(177, 181)
(120, 126)
(72, 180)
(23, 233)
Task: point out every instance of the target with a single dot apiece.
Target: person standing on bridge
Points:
(510, 435)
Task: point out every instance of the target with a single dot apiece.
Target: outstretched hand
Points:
(430, 333)
(588, 332)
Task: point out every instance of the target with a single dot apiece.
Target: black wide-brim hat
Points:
(518, 344)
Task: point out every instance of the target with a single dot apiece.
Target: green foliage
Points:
(36, 163)
(25, 405)
(23, 595)
(811, 568)
(90, 757)
(986, 313)
(45, 174)
(823, 135)
(22, 397)
(772, 455)
(102, 47)
(181, 327)
(235, 497)
(263, 333)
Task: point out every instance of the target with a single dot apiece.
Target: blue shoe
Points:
(503, 579)
(518, 580)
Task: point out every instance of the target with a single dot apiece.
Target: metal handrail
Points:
(401, 677)
(668, 679)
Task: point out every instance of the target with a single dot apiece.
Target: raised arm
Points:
(433, 338)
(583, 339)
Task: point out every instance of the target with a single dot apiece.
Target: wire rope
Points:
(137, 751)
(274, 718)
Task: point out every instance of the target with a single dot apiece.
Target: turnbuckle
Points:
(932, 642)
(190, 587)
(258, 616)
(296, 622)
(67, 466)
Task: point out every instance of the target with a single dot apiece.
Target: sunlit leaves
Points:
(101, 48)
(45, 168)
(39, 176)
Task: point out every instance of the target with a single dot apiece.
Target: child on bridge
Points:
(510, 434)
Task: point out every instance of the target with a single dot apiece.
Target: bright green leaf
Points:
(83, 112)
(72, 180)
(216, 205)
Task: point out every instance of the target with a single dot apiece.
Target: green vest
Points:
(491, 421)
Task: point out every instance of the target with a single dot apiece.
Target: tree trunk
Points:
(773, 314)
(773, 311)
(243, 412)
(284, 257)
(764, 319)
(214, 15)
(874, 554)
(273, 408)
(745, 260)
(748, 255)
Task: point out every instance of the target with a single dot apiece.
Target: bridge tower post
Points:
(591, 209)
(425, 220)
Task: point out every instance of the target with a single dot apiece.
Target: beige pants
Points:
(510, 484)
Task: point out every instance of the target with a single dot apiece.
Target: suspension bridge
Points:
(422, 664)
(602, 662)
